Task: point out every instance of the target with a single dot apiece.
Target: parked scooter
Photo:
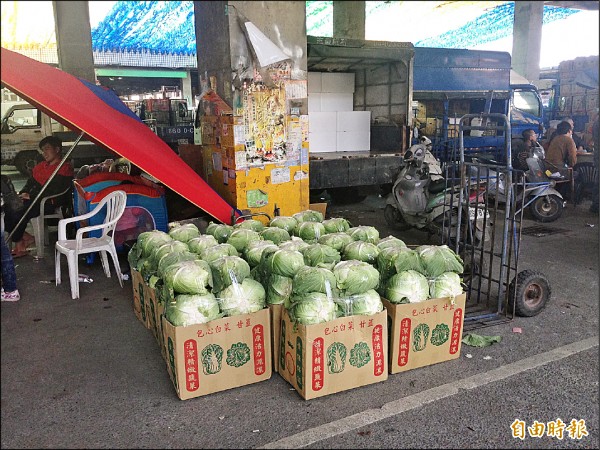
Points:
(420, 198)
(543, 201)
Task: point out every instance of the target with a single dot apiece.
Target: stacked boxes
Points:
(333, 124)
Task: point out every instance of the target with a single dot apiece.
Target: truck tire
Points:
(532, 291)
(26, 160)
(546, 208)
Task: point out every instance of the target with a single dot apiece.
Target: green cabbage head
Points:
(190, 309)
(356, 277)
(184, 232)
(409, 286)
(242, 298)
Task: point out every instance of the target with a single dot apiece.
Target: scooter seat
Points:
(437, 186)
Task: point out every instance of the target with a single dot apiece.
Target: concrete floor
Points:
(87, 374)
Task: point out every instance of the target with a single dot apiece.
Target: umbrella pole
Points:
(62, 162)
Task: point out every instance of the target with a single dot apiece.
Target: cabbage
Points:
(286, 262)
(216, 251)
(391, 241)
(172, 258)
(220, 231)
(310, 231)
(254, 251)
(201, 243)
(437, 259)
(336, 224)
(294, 244)
(189, 277)
(367, 303)
(364, 233)
(227, 270)
(289, 224)
(314, 279)
(185, 232)
(241, 237)
(446, 285)
(361, 251)
(190, 309)
(336, 240)
(409, 286)
(356, 277)
(250, 224)
(242, 298)
(319, 255)
(308, 216)
(312, 308)
(408, 259)
(149, 240)
(279, 289)
(275, 234)
(386, 261)
(264, 266)
(173, 246)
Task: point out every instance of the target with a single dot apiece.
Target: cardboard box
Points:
(341, 82)
(276, 311)
(425, 333)
(219, 355)
(334, 356)
(139, 294)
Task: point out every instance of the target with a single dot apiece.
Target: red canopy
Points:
(107, 121)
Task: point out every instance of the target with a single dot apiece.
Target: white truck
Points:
(22, 128)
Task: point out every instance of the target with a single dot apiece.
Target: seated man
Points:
(521, 149)
(51, 148)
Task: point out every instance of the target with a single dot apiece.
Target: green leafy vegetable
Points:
(279, 289)
(250, 224)
(408, 286)
(287, 223)
(275, 234)
(190, 309)
(286, 262)
(438, 259)
(189, 277)
(241, 237)
(356, 277)
(336, 241)
(366, 303)
(220, 231)
(242, 298)
(185, 232)
(336, 224)
(310, 231)
(308, 216)
(390, 241)
(216, 251)
(446, 285)
(362, 251)
(227, 270)
(201, 243)
(314, 279)
(319, 255)
(312, 308)
(254, 251)
(364, 233)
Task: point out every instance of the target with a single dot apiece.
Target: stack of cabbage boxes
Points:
(306, 297)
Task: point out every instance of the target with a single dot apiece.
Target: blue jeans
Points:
(9, 276)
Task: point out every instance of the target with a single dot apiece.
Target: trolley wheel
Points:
(532, 293)
(547, 208)
(394, 219)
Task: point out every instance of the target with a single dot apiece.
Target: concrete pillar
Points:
(527, 39)
(349, 19)
(74, 39)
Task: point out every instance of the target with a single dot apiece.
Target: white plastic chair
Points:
(40, 230)
(114, 204)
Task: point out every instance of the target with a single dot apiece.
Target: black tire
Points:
(26, 160)
(532, 291)
(394, 218)
(546, 208)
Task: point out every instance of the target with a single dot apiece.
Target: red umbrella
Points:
(107, 121)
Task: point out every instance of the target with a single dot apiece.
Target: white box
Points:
(323, 141)
(314, 82)
(354, 121)
(314, 102)
(353, 141)
(334, 101)
(337, 82)
(322, 121)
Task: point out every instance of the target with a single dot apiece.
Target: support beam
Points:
(74, 39)
(527, 39)
(349, 19)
